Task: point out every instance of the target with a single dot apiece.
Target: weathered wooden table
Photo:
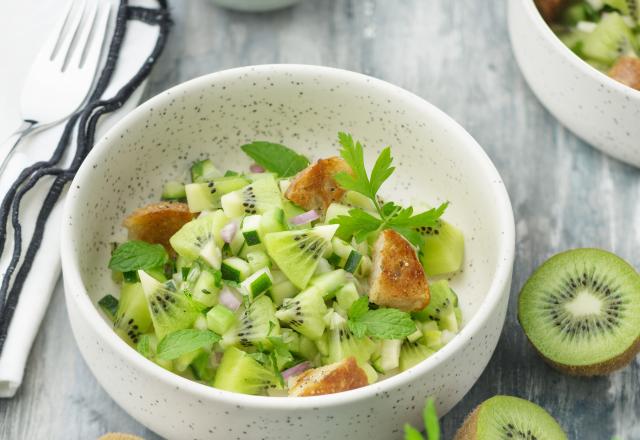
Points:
(455, 54)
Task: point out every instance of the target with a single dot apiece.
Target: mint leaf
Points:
(387, 323)
(411, 433)
(136, 255)
(276, 158)
(430, 417)
(184, 341)
(358, 308)
(358, 329)
(144, 346)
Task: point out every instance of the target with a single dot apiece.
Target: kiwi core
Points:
(584, 304)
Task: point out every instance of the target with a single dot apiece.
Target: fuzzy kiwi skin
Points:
(470, 426)
(599, 369)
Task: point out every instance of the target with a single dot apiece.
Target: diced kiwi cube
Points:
(199, 197)
(347, 295)
(220, 319)
(257, 283)
(353, 261)
(282, 290)
(234, 269)
(207, 288)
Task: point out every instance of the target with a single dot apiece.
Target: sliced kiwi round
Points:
(509, 418)
(581, 311)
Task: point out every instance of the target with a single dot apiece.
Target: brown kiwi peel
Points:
(470, 426)
(599, 369)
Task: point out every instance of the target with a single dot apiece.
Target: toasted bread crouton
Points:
(551, 9)
(314, 187)
(342, 376)
(119, 436)
(397, 278)
(157, 222)
(627, 71)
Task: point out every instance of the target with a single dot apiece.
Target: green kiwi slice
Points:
(611, 38)
(254, 325)
(510, 418)
(581, 311)
(442, 250)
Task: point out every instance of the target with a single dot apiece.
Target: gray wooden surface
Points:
(455, 54)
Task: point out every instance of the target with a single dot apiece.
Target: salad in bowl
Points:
(293, 278)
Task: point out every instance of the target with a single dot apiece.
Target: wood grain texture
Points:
(456, 54)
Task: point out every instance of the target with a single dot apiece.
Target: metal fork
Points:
(63, 72)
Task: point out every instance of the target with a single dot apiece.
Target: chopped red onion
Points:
(305, 217)
(229, 299)
(229, 231)
(295, 370)
(255, 168)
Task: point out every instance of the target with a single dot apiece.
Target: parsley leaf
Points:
(411, 433)
(184, 341)
(380, 323)
(276, 158)
(359, 223)
(430, 417)
(135, 255)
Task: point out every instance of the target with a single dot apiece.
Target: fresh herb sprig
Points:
(360, 223)
(431, 424)
(138, 255)
(276, 158)
(184, 341)
(380, 323)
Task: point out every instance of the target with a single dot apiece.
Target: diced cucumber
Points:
(204, 170)
(258, 260)
(250, 226)
(202, 368)
(364, 268)
(372, 374)
(207, 287)
(220, 319)
(353, 261)
(390, 354)
(323, 267)
(257, 283)
(344, 255)
(431, 335)
(347, 295)
(329, 282)
(109, 305)
(334, 260)
(230, 173)
(234, 269)
(322, 344)
(413, 337)
(200, 323)
(212, 255)
(173, 190)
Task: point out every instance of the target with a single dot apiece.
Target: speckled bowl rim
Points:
(505, 249)
(550, 36)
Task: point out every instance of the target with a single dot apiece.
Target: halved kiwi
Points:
(581, 311)
(507, 417)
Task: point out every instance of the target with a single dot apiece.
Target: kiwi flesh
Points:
(256, 198)
(305, 313)
(581, 311)
(193, 236)
(132, 317)
(344, 344)
(297, 252)
(611, 38)
(241, 373)
(170, 308)
(442, 251)
(254, 325)
(510, 418)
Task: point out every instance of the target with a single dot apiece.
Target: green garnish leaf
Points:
(379, 323)
(411, 433)
(184, 341)
(138, 255)
(144, 346)
(109, 305)
(430, 417)
(276, 158)
(359, 223)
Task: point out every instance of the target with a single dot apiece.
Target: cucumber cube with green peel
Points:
(347, 295)
(220, 319)
(212, 255)
(207, 288)
(257, 283)
(250, 226)
(258, 260)
(353, 261)
(173, 191)
(282, 290)
(413, 337)
(204, 170)
(235, 269)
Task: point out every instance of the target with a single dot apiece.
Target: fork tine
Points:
(93, 50)
(55, 38)
(62, 53)
(79, 49)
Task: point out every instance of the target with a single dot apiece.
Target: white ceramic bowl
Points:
(255, 5)
(598, 109)
(303, 107)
